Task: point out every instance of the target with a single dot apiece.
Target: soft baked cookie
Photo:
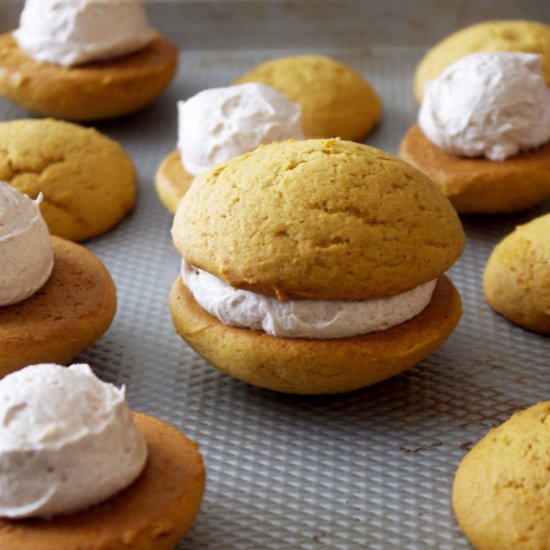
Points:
(498, 35)
(87, 180)
(85, 60)
(67, 315)
(517, 275)
(483, 133)
(479, 184)
(336, 101)
(172, 181)
(80, 470)
(316, 224)
(152, 514)
(500, 494)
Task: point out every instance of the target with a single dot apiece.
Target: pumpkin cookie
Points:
(103, 479)
(275, 289)
(67, 315)
(336, 101)
(517, 274)
(61, 63)
(87, 180)
(489, 36)
(500, 495)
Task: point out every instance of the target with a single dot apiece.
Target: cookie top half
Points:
(500, 496)
(87, 180)
(336, 100)
(318, 219)
(514, 35)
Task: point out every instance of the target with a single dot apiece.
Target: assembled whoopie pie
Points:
(315, 266)
(85, 60)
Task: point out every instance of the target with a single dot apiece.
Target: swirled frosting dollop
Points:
(25, 251)
(67, 441)
(72, 32)
(492, 104)
(221, 123)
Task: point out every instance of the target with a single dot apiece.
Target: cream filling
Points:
(315, 319)
(222, 123)
(69, 33)
(25, 250)
(492, 104)
(67, 441)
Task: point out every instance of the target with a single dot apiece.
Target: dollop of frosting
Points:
(67, 441)
(321, 319)
(72, 32)
(222, 123)
(492, 104)
(25, 250)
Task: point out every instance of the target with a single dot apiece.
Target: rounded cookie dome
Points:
(322, 219)
(517, 276)
(489, 36)
(87, 179)
(336, 101)
(500, 494)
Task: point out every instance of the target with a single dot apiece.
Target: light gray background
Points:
(370, 469)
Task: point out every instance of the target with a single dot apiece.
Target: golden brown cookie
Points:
(517, 276)
(66, 316)
(501, 493)
(88, 181)
(153, 513)
(489, 36)
(98, 90)
(172, 181)
(305, 366)
(336, 101)
(480, 185)
(318, 219)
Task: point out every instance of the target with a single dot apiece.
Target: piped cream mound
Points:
(492, 104)
(484, 133)
(67, 441)
(322, 235)
(218, 124)
(221, 123)
(511, 35)
(25, 249)
(69, 33)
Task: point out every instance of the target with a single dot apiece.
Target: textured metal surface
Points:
(370, 469)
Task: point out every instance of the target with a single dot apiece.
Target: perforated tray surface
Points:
(369, 469)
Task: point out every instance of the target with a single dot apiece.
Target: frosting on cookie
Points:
(67, 441)
(221, 123)
(25, 249)
(492, 104)
(302, 318)
(72, 32)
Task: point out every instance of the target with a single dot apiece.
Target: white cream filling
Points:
(315, 319)
(492, 104)
(72, 32)
(26, 255)
(222, 123)
(67, 441)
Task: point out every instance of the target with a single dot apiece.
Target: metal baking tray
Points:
(368, 469)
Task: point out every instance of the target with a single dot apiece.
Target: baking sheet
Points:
(369, 469)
